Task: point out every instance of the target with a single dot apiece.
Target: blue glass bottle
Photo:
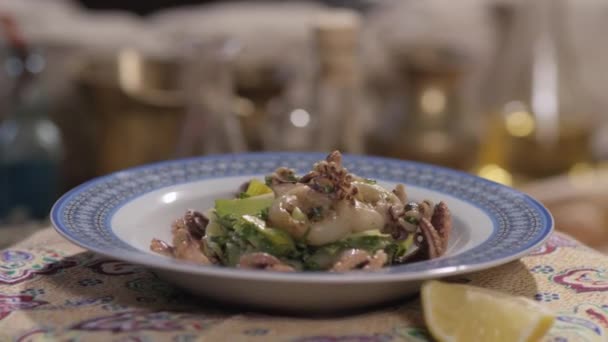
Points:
(30, 143)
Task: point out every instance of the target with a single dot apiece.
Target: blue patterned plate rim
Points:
(521, 223)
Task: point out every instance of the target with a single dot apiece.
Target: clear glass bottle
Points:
(206, 78)
(541, 117)
(321, 108)
(427, 121)
(338, 105)
(30, 143)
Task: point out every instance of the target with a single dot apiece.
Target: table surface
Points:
(53, 290)
(13, 233)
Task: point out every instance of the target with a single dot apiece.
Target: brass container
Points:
(137, 106)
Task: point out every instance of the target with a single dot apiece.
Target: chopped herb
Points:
(313, 266)
(268, 180)
(220, 240)
(398, 250)
(264, 214)
(247, 233)
(369, 181)
(226, 221)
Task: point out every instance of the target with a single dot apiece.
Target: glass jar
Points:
(425, 119)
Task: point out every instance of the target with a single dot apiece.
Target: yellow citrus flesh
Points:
(459, 313)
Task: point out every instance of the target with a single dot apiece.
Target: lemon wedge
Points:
(456, 312)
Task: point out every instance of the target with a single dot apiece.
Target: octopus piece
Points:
(187, 247)
(304, 199)
(282, 175)
(308, 198)
(404, 220)
(375, 194)
(336, 203)
(281, 215)
(432, 241)
(263, 261)
(399, 222)
(442, 221)
(325, 220)
(377, 261)
(282, 180)
(161, 247)
(345, 219)
(426, 208)
(330, 177)
(196, 223)
(187, 233)
(353, 259)
(334, 157)
(436, 232)
(399, 191)
(391, 205)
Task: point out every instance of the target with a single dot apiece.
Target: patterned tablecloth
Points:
(51, 290)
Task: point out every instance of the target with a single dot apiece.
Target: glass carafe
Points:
(540, 115)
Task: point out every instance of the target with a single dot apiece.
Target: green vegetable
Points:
(368, 241)
(274, 241)
(264, 214)
(257, 188)
(213, 227)
(233, 253)
(213, 232)
(298, 215)
(232, 236)
(324, 257)
(238, 226)
(398, 250)
(369, 181)
(268, 180)
(243, 206)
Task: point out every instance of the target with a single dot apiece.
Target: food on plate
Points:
(325, 220)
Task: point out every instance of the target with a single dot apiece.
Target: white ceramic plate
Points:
(117, 216)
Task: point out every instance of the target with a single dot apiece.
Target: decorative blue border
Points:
(83, 215)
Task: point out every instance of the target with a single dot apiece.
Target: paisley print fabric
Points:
(51, 290)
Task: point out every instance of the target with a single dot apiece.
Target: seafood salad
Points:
(325, 220)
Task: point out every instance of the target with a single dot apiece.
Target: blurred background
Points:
(509, 90)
